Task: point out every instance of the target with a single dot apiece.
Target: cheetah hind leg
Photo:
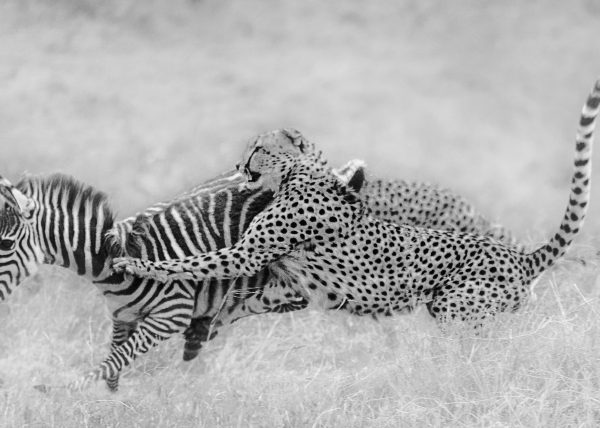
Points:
(469, 305)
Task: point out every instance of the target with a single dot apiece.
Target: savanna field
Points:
(144, 99)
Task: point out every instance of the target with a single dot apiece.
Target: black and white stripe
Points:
(209, 217)
(69, 221)
(72, 225)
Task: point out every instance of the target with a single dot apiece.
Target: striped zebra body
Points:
(71, 225)
(211, 216)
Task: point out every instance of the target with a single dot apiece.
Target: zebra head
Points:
(269, 156)
(20, 253)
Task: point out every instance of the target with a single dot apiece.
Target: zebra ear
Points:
(25, 204)
(16, 198)
(8, 200)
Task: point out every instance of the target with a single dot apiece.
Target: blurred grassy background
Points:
(144, 99)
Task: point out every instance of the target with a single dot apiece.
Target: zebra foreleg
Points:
(122, 331)
(148, 334)
(195, 335)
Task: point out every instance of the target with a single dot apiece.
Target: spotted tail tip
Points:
(593, 101)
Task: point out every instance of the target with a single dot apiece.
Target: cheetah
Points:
(419, 204)
(317, 236)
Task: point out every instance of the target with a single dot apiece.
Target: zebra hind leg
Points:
(195, 336)
(148, 334)
(122, 331)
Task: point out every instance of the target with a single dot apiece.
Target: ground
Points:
(144, 99)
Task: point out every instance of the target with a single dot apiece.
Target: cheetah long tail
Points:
(579, 197)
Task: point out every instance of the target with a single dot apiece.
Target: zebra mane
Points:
(66, 185)
(128, 236)
(134, 241)
(70, 188)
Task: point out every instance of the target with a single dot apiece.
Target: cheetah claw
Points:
(141, 268)
(128, 265)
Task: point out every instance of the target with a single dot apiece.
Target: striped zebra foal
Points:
(207, 217)
(61, 221)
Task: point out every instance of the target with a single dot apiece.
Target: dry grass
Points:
(143, 99)
(540, 367)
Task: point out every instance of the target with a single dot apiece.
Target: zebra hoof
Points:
(112, 384)
(189, 355)
(191, 350)
(44, 389)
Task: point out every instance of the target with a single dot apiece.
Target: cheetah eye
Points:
(7, 244)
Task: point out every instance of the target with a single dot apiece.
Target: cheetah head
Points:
(270, 156)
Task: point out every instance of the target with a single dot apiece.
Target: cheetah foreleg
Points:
(226, 263)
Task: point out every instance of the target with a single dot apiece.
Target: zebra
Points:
(59, 220)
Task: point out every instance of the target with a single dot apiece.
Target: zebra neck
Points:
(71, 220)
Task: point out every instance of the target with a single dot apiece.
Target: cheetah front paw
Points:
(136, 267)
(140, 268)
(127, 265)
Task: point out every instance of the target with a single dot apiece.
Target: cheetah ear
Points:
(345, 173)
(357, 180)
(298, 140)
(351, 181)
